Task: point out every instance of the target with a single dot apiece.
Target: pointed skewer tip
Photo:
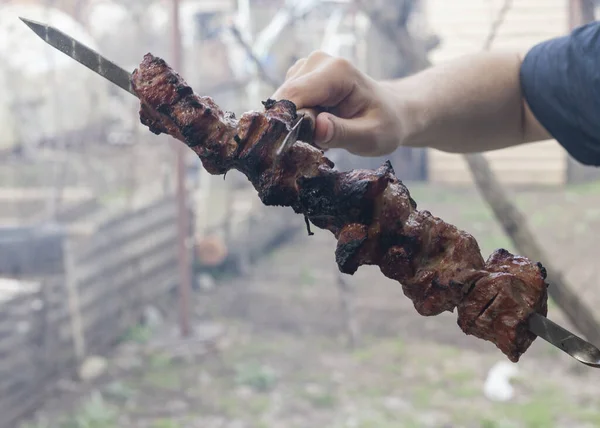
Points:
(34, 25)
(26, 21)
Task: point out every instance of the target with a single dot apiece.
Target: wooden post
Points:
(74, 306)
(185, 274)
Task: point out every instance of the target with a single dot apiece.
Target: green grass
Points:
(257, 405)
(383, 420)
(540, 410)
(161, 374)
(159, 362)
(421, 397)
(460, 376)
(119, 391)
(95, 413)
(253, 406)
(166, 423)
(138, 334)
(364, 355)
(467, 391)
(255, 376)
(588, 415)
(163, 380)
(320, 399)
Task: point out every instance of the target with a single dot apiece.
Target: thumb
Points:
(354, 135)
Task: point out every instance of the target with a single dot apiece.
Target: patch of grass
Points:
(538, 412)
(119, 391)
(399, 346)
(448, 352)
(324, 401)
(138, 334)
(385, 421)
(488, 423)
(371, 391)
(255, 376)
(321, 398)
(590, 416)
(229, 406)
(166, 423)
(257, 405)
(460, 376)
(467, 391)
(159, 361)
(421, 397)
(95, 413)
(363, 355)
(233, 407)
(395, 368)
(252, 350)
(168, 378)
(367, 353)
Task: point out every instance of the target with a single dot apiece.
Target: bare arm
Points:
(471, 104)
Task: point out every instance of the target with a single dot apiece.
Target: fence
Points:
(48, 325)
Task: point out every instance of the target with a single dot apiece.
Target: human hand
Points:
(361, 113)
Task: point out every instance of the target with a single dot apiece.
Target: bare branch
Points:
(259, 65)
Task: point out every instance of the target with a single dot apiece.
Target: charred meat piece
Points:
(499, 304)
(371, 213)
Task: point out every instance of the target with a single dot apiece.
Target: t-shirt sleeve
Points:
(560, 80)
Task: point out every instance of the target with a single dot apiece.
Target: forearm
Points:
(469, 105)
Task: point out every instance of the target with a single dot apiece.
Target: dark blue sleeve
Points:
(560, 80)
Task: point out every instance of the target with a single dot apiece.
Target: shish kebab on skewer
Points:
(371, 213)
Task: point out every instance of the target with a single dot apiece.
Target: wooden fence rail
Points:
(47, 326)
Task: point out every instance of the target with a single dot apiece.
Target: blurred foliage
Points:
(258, 377)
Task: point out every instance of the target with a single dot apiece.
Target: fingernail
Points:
(329, 133)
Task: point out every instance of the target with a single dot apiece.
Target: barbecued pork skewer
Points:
(575, 346)
(371, 213)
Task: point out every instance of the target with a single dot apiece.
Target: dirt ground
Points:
(282, 358)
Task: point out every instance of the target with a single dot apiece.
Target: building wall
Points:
(463, 27)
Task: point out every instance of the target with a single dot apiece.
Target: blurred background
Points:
(119, 310)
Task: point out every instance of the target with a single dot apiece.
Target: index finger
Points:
(319, 88)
